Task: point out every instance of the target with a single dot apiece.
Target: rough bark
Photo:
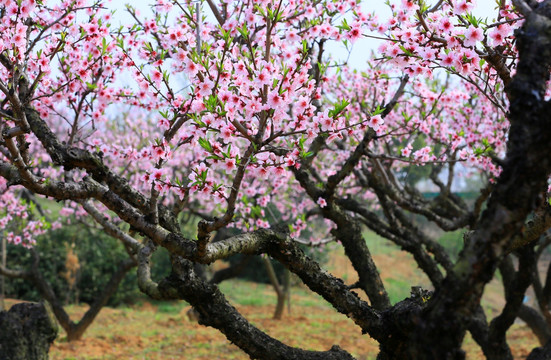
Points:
(498, 348)
(348, 231)
(438, 331)
(536, 322)
(3, 260)
(28, 330)
(215, 311)
(430, 326)
(541, 353)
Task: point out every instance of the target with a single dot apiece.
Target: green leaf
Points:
(244, 31)
(344, 25)
(304, 46)
(406, 117)
(205, 144)
(378, 110)
(104, 45)
(260, 10)
(406, 51)
(301, 142)
(339, 108)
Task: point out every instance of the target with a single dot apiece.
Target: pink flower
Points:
(292, 36)
(354, 34)
(333, 136)
(229, 165)
(164, 124)
(274, 100)
(302, 104)
(158, 152)
(157, 77)
(279, 171)
(422, 154)
(472, 36)
(191, 68)
(263, 173)
(241, 69)
(12, 9)
(323, 120)
(26, 9)
(224, 96)
(445, 25)
(161, 188)
(375, 122)
(226, 132)
(263, 77)
(205, 88)
(253, 107)
(499, 34)
(157, 174)
(289, 161)
(181, 192)
(463, 7)
(406, 152)
(409, 5)
(447, 60)
(145, 178)
(321, 202)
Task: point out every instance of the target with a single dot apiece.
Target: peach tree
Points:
(231, 111)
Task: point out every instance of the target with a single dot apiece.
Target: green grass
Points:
(379, 245)
(452, 242)
(243, 293)
(173, 307)
(397, 289)
(240, 292)
(164, 332)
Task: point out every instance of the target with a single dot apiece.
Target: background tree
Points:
(49, 272)
(267, 119)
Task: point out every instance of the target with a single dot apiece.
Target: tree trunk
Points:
(280, 306)
(28, 330)
(536, 322)
(76, 330)
(281, 295)
(287, 288)
(541, 353)
(2, 280)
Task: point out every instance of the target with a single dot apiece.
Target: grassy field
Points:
(161, 330)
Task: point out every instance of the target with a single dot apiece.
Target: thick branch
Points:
(517, 193)
(536, 227)
(514, 298)
(215, 311)
(348, 231)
